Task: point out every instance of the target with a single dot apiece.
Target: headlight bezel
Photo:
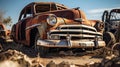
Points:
(52, 19)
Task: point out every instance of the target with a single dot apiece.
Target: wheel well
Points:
(32, 36)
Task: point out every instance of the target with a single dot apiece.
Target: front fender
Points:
(32, 26)
(42, 30)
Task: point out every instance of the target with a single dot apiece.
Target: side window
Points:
(28, 12)
(22, 15)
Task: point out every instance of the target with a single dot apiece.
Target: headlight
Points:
(52, 20)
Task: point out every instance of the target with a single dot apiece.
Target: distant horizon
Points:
(92, 8)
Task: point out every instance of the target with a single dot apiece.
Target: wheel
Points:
(116, 49)
(117, 35)
(109, 39)
(40, 49)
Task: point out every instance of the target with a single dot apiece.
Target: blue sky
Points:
(92, 8)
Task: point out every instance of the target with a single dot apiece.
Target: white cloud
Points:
(94, 16)
(97, 13)
(100, 10)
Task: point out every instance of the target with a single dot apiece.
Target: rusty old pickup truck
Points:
(53, 25)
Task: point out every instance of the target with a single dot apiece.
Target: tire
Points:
(109, 39)
(40, 49)
(117, 35)
(116, 49)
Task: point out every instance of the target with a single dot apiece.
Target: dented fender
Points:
(42, 30)
(32, 26)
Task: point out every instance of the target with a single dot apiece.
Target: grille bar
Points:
(77, 27)
(80, 31)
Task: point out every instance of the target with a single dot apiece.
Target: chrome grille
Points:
(76, 32)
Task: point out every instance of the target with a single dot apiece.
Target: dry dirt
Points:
(16, 55)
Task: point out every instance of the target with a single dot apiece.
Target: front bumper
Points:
(71, 44)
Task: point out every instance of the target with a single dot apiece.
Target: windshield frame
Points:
(51, 5)
(114, 16)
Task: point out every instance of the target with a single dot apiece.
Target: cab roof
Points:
(115, 10)
(45, 3)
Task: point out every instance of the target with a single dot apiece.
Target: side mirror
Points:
(79, 20)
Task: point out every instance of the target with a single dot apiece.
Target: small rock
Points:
(51, 64)
(62, 53)
(64, 64)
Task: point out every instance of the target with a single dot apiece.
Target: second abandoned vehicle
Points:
(4, 33)
(112, 25)
(53, 25)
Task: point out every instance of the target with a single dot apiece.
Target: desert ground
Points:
(17, 55)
